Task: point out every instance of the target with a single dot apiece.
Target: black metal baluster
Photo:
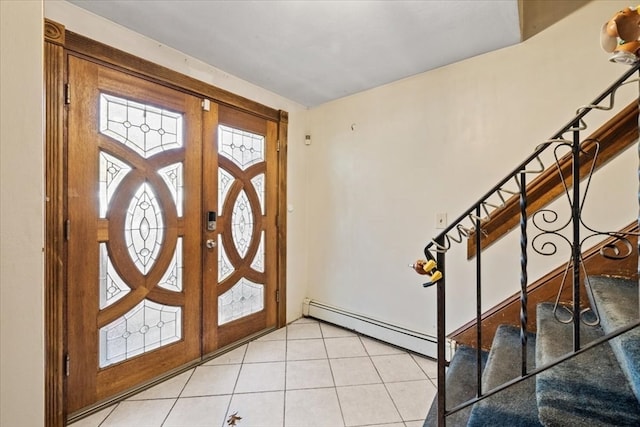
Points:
(478, 303)
(523, 270)
(442, 397)
(575, 218)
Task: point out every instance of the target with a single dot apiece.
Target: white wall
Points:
(89, 25)
(435, 143)
(21, 215)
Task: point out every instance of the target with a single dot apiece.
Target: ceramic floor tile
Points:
(232, 357)
(255, 377)
(354, 371)
(266, 351)
(301, 331)
(308, 374)
(296, 365)
(377, 348)
(211, 380)
(258, 409)
(428, 366)
(306, 349)
(278, 334)
(412, 398)
(398, 367)
(167, 389)
(94, 420)
(198, 412)
(344, 347)
(330, 331)
(139, 413)
(367, 404)
(312, 408)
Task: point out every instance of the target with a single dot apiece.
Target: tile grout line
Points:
(235, 384)
(333, 378)
(178, 397)
(384, 383)
(286, 367)
(110, 412)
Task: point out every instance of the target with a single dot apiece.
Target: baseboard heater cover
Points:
(399, 336)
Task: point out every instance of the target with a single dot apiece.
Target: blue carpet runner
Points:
(461, 386)
(600, 387)
(515, 406)
(617, 300)
(588, 390)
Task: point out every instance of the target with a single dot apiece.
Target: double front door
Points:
(171, 203)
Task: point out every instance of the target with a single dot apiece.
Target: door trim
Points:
(59, 43)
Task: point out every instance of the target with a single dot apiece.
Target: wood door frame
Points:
(58, 44)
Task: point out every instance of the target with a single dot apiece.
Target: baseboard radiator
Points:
(399, 336)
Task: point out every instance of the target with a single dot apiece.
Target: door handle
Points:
(211, 243)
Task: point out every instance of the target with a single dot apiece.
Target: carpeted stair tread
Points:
(617, 302)
(515, 406)
(461, 386)
(588, 390)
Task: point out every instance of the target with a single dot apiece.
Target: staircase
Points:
(576, 364)
(598, 387)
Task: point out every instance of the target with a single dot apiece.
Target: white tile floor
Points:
(307, 374)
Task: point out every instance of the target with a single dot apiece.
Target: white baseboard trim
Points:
(414, 341)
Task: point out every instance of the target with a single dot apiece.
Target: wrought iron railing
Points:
(547, 229)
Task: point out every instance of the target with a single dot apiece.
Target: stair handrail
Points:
(464, 232)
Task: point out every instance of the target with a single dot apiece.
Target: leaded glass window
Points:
(224, 265)
(146, 129)
(258, 260)
(244, 298)
(146, 327)
(112, 287)
(172, 175)
(224, 184)
(112, 171)
(144, 228)
(242, 223)
(258, 184)
(172, 278)
(244, 148)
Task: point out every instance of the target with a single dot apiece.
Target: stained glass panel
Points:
(112, 287)
(258, 183)
(243, 148)
(258, 260)
(172, 278)
(146, 129)
(146, 327)
(172, 175)
(224, 265)
(243, 299)
(144, 228)
(112, 170)
(242, 223)
(224, 183)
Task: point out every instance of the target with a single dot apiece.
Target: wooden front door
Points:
(152, 284)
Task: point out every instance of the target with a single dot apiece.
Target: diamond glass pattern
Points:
(146, 129)
(112, 171)
(244, 148)
(144, 228)
(244, 298)
(146, 327)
